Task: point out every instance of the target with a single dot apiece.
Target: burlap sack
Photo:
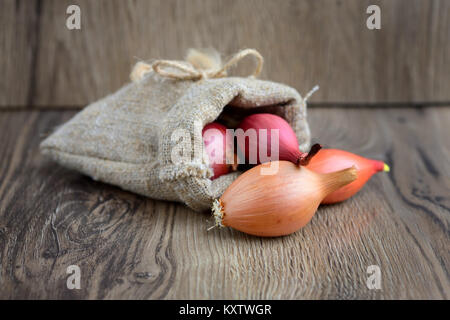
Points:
(126, 139)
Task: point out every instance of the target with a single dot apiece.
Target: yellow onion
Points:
(278, 204)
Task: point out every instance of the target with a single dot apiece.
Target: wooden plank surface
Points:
(304, 42)
(128, 246)
(19, 32)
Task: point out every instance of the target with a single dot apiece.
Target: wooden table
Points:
(128, 246)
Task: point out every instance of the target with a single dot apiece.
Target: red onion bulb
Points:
(288, 146)
(216, 143)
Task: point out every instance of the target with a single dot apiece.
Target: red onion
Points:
(288, 143)
(329, 160)
(216, 143)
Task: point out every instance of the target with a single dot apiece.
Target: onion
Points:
(329, 160)
(217, 145)
(276, 204)
(263, 123)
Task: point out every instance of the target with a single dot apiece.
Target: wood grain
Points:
(128, 246)
(19, 41)
(304, 42)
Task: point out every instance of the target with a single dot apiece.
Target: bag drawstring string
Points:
(185, 70)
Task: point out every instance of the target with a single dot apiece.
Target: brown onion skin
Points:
(279, 204)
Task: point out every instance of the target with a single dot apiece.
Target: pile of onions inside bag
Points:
(279, 197)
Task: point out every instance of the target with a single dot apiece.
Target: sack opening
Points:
(232, 115)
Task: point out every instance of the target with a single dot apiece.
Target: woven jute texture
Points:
(127, 138)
